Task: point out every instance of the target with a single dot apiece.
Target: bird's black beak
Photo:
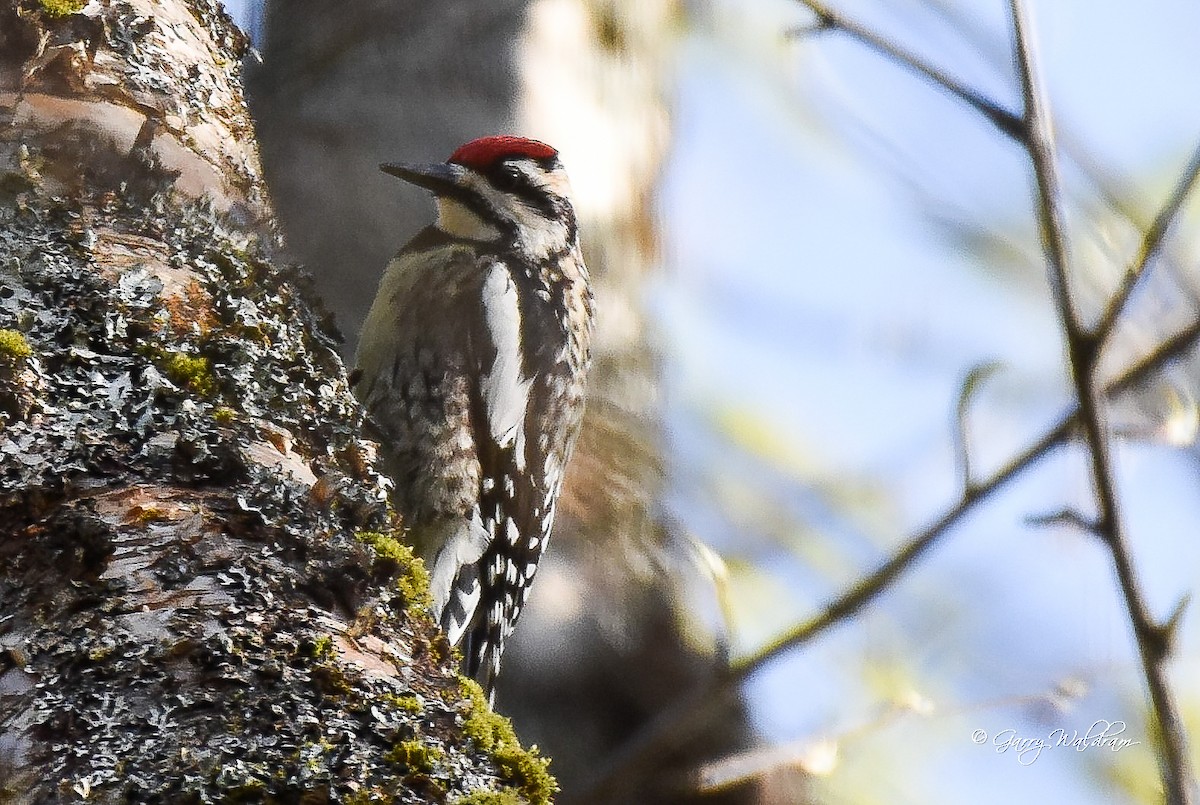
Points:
(439, 178)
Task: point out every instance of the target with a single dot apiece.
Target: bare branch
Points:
(1112, 191)
(962, 447)
(1033, 130)
(816, 757)
(1065, 517)
(1040, 145)
(1152, 241)
(1013, 126)
(828, 19)
(1082, 352)
(1170, 626)
(673, 724)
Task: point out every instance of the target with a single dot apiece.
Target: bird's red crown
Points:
(487, 151)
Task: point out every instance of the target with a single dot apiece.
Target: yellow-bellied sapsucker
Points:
(472, 363)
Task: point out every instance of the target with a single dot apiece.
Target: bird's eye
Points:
(509, 177)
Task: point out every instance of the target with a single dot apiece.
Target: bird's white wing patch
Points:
(453, 578)
(504, 386)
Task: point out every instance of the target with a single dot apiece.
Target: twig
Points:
(828, 19)
(1063, 517)
(1111, 190)
(962, 442)
(1039, 143)
(866, 589)
(1083, 352)
(817, 755)
(1151, 243)
(673, 724)
(1013, 126)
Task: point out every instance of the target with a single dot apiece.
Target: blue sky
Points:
(809, 290)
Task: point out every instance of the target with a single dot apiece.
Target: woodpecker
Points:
(471, 366)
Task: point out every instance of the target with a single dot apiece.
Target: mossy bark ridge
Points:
(203, 595)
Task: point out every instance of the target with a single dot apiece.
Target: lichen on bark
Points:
(188, 612)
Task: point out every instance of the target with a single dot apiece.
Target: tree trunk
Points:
(202, 597)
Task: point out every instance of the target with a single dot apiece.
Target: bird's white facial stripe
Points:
(556, 182)
(456, 219)
(539, 235)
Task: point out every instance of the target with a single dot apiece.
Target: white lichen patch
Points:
(269, 456)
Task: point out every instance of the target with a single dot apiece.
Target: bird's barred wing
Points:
(478, 611)
(483, 537)
(508, 422)
(503, 386)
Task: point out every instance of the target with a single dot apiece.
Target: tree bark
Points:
(202, 595)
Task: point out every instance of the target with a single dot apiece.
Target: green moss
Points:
(414, 584)
(322, 648)
(225, 415)
(331, 680)
(486, 728)
(100, 653)
(327, 675)
(529, 771)
(413, 578)
(489, 798)
(61, 8)
(314, 753)
(415, 756)
(493, 734)
(409, 703)
(142, 515)
(13, 346)
(385, 546)
(189, 371)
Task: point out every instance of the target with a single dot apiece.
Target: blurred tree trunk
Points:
(604, 642)
(201, 593)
